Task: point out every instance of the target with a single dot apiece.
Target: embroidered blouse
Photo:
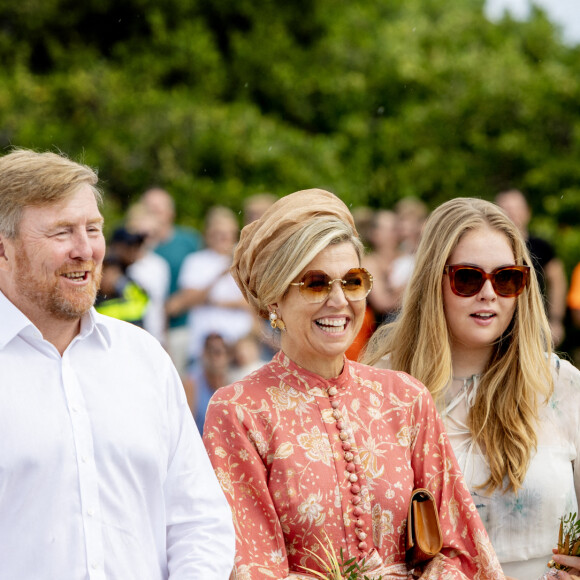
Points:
(524, 527)
(305, 461)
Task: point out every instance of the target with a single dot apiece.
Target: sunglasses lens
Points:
(315, 286)
(468, 281)
(509, 282)
(357, 284)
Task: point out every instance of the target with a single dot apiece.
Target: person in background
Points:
(548, 266)
(246, 357)
(385, 297)
(207, 375)
(149, 270)
(363, 217)
(313, 445)
(474, 330)
(411, 214)
(173, 243)
(102, 471)
(119, 296)
(207, 291)
(135, 281)
(255, 205)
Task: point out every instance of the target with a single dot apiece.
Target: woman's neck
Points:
(467, 362)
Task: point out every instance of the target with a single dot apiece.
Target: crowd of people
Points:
(334, 363)
(189, 294)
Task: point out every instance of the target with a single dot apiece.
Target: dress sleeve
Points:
(199, 530)
(467, 551)
(238, 447)
(568, 388)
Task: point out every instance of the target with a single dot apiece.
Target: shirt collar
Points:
(94, 323)
(15, 323)
(303, 379)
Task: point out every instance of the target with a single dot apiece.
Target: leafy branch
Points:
(568, 539)
(335, 566)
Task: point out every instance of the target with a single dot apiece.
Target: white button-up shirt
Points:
(102, 472)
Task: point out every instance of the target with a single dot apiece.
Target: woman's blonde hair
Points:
(298, 251)
(517, 378)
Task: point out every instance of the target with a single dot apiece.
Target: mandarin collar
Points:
(308, 381)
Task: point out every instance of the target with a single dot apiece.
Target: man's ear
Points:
(3, 253)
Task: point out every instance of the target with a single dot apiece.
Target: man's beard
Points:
(66, 304)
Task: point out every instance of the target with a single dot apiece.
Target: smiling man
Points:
(102, 472)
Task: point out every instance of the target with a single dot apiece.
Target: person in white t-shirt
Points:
(207, 290)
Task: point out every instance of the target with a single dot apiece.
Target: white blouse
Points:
(523, 528)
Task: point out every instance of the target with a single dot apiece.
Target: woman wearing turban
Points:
(315, 449)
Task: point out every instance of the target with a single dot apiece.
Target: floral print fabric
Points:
(300, 457)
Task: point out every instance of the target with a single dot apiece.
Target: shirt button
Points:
(91, 512)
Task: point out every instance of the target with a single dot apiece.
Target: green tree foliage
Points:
(219, 99)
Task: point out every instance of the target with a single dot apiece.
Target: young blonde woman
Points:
(473, 330)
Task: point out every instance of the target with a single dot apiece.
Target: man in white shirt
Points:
(102, 472)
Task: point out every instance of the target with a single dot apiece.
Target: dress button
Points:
(346, 446)
(340, 425)
(333, 391)
(356, 500)
(343, 435)
(337, 414)
(359, 523)
(362, 546)
(335, 404)
(355, 489)
(353, 477)
(357, 512)
(361, 535)
(350, 467)
(348, 456)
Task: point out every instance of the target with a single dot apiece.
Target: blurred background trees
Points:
(220, 99)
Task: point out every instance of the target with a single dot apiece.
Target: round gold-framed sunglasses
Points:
(315, 285)
(507, 281)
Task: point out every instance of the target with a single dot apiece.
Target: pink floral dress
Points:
(300, 458)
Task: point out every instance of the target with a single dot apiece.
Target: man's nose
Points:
(81, 246)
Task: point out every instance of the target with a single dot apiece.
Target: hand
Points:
(561, 575)
(573, 562)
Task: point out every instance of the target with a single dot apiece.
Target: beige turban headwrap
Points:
(262, 238)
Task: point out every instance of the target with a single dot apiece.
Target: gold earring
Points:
(276, 322)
